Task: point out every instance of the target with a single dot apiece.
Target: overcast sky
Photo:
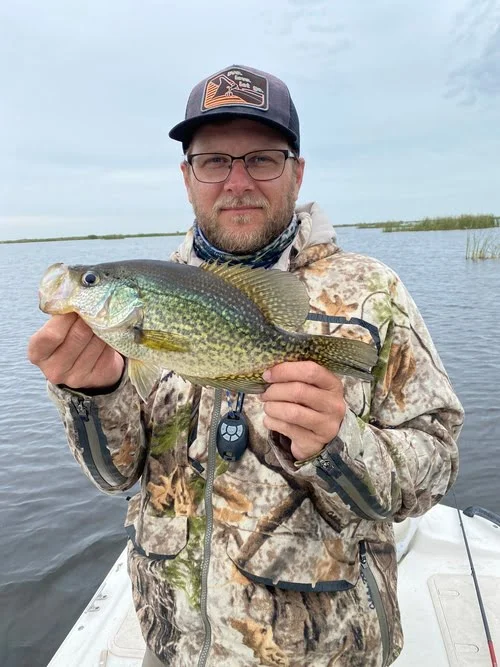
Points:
(399, 104)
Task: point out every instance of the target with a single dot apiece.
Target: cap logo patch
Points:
(236, 86)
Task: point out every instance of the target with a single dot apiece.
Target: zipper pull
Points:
(362, 555)
(82, 406)
(323, 461)
(194, 463)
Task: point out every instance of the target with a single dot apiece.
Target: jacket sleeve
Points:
(401, 458)
(105, 433)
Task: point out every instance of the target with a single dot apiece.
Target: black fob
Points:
(232, 436)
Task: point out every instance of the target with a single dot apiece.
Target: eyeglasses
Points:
(260, 165)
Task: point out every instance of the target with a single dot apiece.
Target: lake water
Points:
(60, 536)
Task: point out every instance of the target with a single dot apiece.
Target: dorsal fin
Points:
(281, 296)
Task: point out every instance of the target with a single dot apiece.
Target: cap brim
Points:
(184, 131)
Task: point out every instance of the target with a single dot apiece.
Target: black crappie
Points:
(215, 325)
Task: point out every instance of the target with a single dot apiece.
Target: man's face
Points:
(241, 214)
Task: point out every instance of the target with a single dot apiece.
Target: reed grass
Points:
(482, 246)
(466, 221)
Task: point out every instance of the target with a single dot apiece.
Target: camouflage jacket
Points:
(260, 562)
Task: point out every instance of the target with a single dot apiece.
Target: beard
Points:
(245, 239)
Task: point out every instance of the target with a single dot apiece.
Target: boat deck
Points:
(440, 613)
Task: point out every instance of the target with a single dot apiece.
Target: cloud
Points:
(310, 32)
(89, 92)
(328, 28)
(475, 43)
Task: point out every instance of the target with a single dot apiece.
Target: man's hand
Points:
(305, 402)
(67, 352)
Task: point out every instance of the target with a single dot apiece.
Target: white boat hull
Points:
(440, 613)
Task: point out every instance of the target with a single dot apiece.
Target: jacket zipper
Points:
(93, 457)
(212, 449)
(359, 504)
(82, 406)
(377, 602)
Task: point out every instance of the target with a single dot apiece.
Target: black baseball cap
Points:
(240, 92)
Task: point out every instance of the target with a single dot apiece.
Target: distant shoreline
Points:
(467, 221)
(110, 237)
(94, 237)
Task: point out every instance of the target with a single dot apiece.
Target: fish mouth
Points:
(55, 290)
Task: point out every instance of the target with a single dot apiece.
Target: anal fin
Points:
(247, 385)
(143, 376)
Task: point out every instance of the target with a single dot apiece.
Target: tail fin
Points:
(343, 356)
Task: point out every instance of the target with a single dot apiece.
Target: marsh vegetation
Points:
(482, 246)
(466, 221)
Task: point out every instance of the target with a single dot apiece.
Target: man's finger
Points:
(108, 368)
(301, 393)
(304, 443)
(300, 416)
(79, 375)
(302, 371)
(46, 340)
(77, 339)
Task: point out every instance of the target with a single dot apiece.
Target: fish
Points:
(216, 325)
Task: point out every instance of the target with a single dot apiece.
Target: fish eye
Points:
(89, 278)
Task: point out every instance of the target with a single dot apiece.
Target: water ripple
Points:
(62, 535)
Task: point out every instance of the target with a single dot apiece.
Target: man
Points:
(283, 555)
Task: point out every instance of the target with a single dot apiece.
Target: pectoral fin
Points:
(162, 340)
(143, 376)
